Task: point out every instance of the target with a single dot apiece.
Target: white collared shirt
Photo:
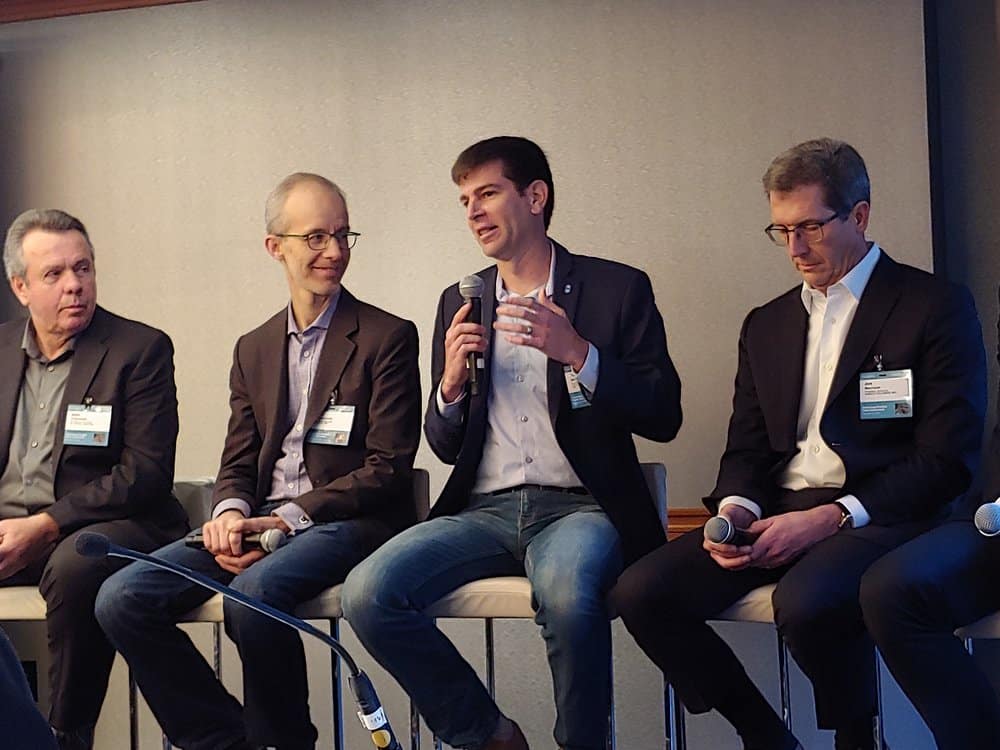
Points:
(520, 445)
(816, 464)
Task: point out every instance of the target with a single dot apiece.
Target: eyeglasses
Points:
(810, 231)
(319, 241)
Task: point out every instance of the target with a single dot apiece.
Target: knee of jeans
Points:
(365, 595)
(569, 600)
(116, 600)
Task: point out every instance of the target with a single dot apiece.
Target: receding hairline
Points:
(274, 206)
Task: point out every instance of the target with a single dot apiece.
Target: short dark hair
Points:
(523, 163)
(833, 165)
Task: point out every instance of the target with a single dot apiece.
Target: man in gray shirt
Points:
(88, 425)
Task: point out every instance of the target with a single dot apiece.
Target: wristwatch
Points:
(846, 519)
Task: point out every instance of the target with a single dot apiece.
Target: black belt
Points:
(541, 488)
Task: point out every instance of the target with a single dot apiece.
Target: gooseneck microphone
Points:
(987, 519)
(721, 530)
(471, 289)
(268, 540)
(372, 716)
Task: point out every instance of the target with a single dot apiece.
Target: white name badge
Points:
(87, 424)
(333, 427)
(887, 395)
(576, 398)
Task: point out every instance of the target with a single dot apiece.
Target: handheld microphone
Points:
(987, 519)
(721, 530)
(372, 715)
(268, 540)
(471, 289)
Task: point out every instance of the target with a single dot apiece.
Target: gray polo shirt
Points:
(26, 486)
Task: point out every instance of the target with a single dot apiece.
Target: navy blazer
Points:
(900, 469)
(638, 392)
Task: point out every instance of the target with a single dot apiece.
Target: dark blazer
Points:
(638, 391)
(900, 469)
(370, 359)
(129, 366)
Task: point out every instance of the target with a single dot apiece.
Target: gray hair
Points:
(47, 219)
(275, 204)
(833, 165)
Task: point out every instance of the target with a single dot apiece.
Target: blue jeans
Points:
(139, 606)
(571, 553)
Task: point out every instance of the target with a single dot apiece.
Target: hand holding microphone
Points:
(464, 343)
(267, 541)
(720, 530)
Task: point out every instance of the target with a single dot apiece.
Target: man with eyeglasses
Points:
(546, 482)
(324, 425)
(857, 417)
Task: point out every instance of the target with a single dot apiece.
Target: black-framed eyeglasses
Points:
(319, 241)
(810, 231)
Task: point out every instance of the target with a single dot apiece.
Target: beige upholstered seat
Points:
(21, 603)
(754, 607)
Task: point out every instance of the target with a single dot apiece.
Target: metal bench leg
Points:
(335, 696)
(414, 727)
(786, 693)
(133, 712)
(610, 742)
(674, 715)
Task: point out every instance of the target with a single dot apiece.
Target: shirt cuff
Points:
(231, 503)
(859, 516)
(450, 412)
(293, 515)
(743, 502)
(587, 377)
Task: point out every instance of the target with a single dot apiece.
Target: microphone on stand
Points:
(90, 544)
(471, 289)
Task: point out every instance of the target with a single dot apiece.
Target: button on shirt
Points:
(289, 478)
(27, 483)
(830, 316)
(520, 445)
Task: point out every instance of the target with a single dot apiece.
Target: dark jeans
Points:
(21, 725)
(666, 598)
(571, 553)
(139, 606)
(913, 600)
(81, 655)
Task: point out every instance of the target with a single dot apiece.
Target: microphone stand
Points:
(371, 713)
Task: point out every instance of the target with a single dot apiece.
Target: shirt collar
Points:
(502, 293)
(30, 345)
(854, 281)
(323, 321)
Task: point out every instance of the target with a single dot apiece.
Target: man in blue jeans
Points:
(546, 482)
(325, 401)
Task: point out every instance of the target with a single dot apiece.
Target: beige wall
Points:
(165, 128)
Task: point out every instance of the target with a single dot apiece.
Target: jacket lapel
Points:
(876, 303)
(89, 351)
(788, 366)
(565, 293)
(338, 348)
(10, 386)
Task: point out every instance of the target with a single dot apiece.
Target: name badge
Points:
(576, 398)
(333, 427)
(887, 395)
(87, 424)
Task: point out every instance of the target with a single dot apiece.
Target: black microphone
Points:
(372, 716)
(471, 289)
(268, 540)
(721, 530)
(987, 519)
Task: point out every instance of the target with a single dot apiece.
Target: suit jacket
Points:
(129, 366)
(901, 470)
(638, 391)
(370, 359)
